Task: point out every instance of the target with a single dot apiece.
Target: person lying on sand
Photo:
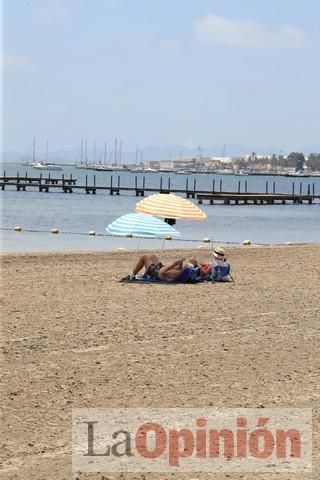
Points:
(183, 270)
(179, 270)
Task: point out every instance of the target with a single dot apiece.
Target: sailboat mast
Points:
(137, 154)
(224, 151)
(81, 151)
(86, 152)
(94, 151)
(105, 153)
(47, 151)
(120, 152)
(34, 150)
(115, 152)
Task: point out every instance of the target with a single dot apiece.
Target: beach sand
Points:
(74, 337)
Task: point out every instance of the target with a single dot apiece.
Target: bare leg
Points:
(145, 261)
(172, 271)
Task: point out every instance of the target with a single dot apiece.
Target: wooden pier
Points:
(215, 195)
(41, 182)
(255, 198)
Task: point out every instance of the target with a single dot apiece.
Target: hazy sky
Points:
(158, 72)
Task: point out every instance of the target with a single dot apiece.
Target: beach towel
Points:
(185, 278)
(145, 279)
(188, 275)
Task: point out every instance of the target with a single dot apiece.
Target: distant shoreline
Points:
(134, 170)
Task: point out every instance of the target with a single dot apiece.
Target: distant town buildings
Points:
(250, 163)
(197, 163)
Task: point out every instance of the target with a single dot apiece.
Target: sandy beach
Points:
(73, 336)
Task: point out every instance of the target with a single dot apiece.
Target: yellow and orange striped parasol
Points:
(170, 206)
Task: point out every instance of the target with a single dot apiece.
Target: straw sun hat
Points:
(219, 253)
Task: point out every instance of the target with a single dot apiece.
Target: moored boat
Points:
(46, 166)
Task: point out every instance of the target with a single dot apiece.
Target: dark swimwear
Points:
(153, 270)
(187, 275)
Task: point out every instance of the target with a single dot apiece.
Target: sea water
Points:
(77, 213)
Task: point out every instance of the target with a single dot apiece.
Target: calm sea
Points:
(77, 213)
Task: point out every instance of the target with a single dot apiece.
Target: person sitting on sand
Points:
(219, 256)
(220, 267)
(179, 271)
(211, 270)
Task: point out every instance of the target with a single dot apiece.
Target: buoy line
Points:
(92, 233)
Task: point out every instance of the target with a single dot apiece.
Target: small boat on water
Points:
(42, 165)
(241, 173)
(46, 166)
(33, 162)
(298, 174)
(119, 168)
(29, 164)
(103, 168)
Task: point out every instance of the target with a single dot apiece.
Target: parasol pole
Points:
(212, 257)
(162, 250)
(136, 253)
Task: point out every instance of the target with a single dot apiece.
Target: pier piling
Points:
(302, 193)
